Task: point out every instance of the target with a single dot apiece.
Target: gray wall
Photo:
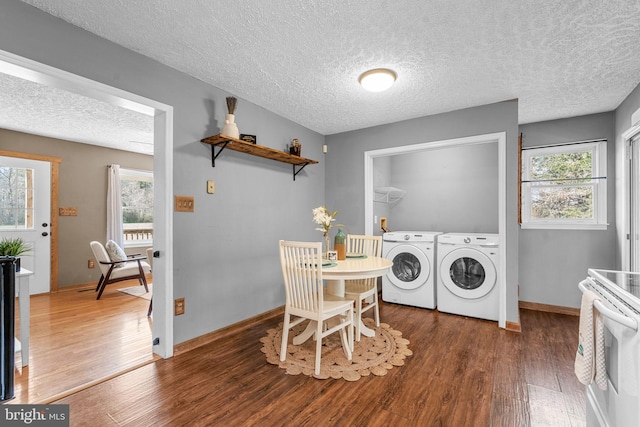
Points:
(345, 166)
(226, 257)
(449, 189)
(83, 185)
(552, 262)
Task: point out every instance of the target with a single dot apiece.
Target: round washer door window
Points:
(468, 273)
(411, 268)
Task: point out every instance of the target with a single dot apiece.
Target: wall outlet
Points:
(91, 264)
(211, 187)
(178, 306)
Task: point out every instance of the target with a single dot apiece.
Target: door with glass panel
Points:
(25, 212)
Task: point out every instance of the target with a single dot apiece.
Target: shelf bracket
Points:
(299, 170)
(215, 155)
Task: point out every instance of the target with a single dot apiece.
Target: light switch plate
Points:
(184, 203)
(211, 187)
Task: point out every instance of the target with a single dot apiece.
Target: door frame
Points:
(53, 222)
(627, 204)
(499, 138)
(162, 326)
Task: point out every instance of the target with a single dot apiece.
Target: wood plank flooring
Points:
(463, 372)
(77, 340)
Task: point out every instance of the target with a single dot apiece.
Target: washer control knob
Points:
(467, 239)
(407, 237)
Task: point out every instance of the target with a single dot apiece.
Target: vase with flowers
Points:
(325, 219)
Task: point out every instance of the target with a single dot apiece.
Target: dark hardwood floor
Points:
(463, 372)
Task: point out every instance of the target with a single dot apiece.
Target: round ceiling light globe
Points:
(377, 80)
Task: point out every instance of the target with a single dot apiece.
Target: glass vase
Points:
(327, 245)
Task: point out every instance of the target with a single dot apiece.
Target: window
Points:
(137, 207)
(16, 198)
(565, 186)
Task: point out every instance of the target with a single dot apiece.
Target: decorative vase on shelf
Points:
(230, 128)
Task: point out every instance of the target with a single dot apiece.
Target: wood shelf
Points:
(224, 141)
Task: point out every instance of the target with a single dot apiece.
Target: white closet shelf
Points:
(391, 195)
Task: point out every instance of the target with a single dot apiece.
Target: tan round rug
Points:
(373, 355)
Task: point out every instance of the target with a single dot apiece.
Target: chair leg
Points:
(358, 318)
(150, 307)
(100, 282)
(346, 344)
(104, 281)
(285, 338)
(318, 347)
(350, 330)
(142, 279)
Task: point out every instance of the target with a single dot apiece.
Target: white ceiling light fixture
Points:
(378, 79)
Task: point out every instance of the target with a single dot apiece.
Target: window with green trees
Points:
(136, 189)
(564, 186)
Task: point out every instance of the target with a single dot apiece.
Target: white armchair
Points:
(116, 271)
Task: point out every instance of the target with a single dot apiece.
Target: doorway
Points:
(499, 138)
(162, 328)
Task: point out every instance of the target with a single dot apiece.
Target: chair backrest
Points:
(100, 254)
(368, 245)
(302, 273)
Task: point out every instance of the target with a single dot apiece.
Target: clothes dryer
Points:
(412, 279)
(468, 274)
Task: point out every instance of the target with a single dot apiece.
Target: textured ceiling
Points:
(41, 110)
(301, 59)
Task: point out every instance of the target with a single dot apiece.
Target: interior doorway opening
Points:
(499, 138)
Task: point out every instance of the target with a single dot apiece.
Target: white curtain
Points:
(114, 207)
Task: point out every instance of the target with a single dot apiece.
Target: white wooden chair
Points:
(117, 271)
(364, 292)
(302, 273)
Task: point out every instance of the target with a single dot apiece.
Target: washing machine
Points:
(468, 274)
(412, 279)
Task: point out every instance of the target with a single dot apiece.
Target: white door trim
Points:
(24, 68)
(501, 139)
(624, 207)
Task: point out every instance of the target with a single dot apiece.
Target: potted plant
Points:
(14, 246)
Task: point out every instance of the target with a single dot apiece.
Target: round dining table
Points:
(352, 268)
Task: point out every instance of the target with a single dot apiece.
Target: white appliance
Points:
(619, 404)
(411, 280)
(468, 274)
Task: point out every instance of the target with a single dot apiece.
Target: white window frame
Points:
(599, 185)
(144, 176)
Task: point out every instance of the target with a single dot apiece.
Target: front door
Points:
(25, 211)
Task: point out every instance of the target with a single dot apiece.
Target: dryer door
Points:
(411, 268)
(468, 273)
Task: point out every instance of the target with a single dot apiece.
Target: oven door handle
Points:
(607, 312)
